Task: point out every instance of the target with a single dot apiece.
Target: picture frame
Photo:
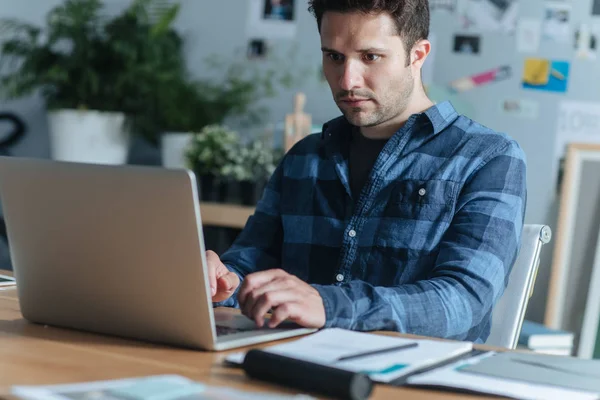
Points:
(588, 340)
(576, 242)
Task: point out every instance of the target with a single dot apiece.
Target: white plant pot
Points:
(173, 146)
(88, 136)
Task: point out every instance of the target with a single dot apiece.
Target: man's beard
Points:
(388, 107)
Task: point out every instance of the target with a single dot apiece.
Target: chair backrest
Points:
(509, 312)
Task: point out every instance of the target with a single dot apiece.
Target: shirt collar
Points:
(440, 115)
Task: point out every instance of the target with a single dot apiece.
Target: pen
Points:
(380, 351)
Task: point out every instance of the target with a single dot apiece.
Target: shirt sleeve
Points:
(258, 246)
(475, 257)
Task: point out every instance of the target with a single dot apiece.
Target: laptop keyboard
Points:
(226, 330)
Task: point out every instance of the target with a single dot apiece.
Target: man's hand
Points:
(222, 281)
(288, 296)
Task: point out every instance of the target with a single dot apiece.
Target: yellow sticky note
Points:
(537, 71)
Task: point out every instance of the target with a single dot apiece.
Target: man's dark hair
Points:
(411, 16)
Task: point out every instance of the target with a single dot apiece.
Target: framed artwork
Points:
(576, 242)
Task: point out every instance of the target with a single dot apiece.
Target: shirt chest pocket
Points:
(432, 200)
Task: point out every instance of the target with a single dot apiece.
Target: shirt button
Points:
(422, 192)
(339, 277)
(352, 233)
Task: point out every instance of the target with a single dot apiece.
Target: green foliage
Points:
(219, 151)
(211, 149)
(83, 60)
(133, 63)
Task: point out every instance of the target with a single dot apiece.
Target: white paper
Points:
(578, 121)
(557, 22)
(529, 35)
(326, 346)
(264, 21)
(173, 387)
(490, 15)
(520, 108)
(586, 44)
(450, 377)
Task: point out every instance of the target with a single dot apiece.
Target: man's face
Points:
(364, 62)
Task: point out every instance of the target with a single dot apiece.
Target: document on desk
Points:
(567, 372)
(453, 376)
(383, 358)
(157, 387)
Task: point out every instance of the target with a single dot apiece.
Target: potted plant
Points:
(98, 76)
(208, 154)
(252, 165)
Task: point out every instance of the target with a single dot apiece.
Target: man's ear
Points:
(419, 53)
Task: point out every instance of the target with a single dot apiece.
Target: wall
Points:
(219, 27)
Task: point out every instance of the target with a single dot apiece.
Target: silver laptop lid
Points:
(108, 249)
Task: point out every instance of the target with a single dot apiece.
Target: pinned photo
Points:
(279, 10)
(466, 44)
(557, 19)
(586, 42)
(529, 35)
(272, 19)
(548, 75)
(490, 15)
(520, 108)
(596, 7)
(257, 48)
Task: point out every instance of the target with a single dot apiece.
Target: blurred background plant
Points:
(212, 149)
(84, 60)
(220, 157)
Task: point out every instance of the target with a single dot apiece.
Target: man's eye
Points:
(372, 57)
(335, 57)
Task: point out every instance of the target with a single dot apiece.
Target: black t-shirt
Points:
(363, 154)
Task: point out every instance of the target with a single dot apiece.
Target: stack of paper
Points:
(331, 346)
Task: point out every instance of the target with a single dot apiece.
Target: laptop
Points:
(117, 250)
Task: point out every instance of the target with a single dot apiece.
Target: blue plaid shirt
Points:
(427, 247)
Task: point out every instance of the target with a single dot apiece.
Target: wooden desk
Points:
(225, 215)
(33, 354)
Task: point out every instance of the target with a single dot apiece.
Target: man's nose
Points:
(351, 77)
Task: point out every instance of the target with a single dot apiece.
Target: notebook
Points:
(382, 359)
(534, 335)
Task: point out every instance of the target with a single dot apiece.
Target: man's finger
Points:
(212, 261)
(272, 299)
(283, 312)
(258, 279)
(228, 282)
(277, 284)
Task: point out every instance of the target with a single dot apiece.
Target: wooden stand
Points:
(297, 125)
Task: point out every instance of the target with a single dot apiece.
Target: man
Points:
(401, 215)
